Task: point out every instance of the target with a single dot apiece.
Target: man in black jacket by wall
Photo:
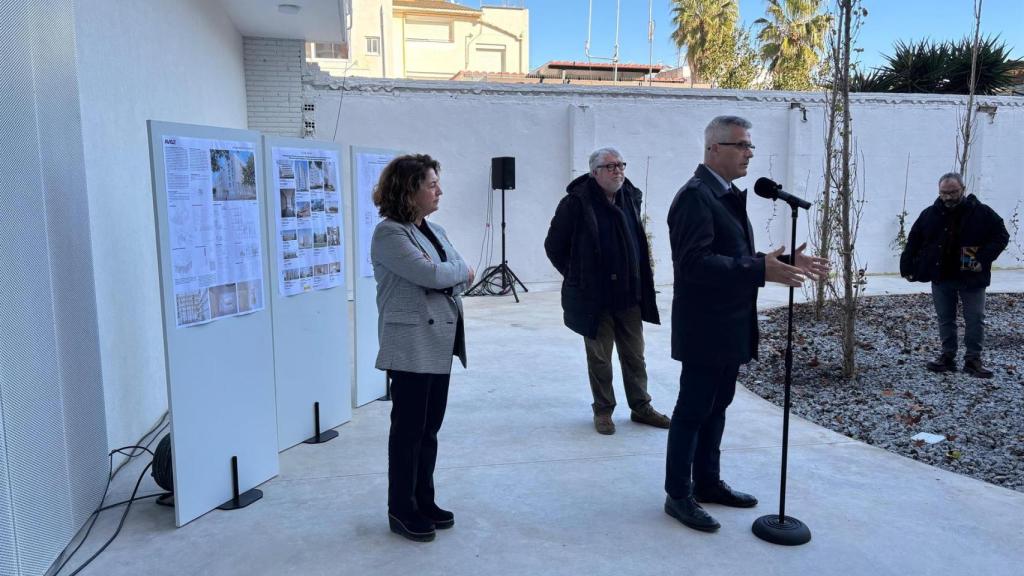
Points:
(597, 242)
(952, 244)
(714, 316)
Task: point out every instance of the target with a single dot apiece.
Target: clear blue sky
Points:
(558, 28)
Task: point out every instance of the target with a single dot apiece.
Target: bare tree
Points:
(968, 120)
(840, 205)
(824, 218)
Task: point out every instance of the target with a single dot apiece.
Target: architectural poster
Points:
(368, 165)
(213, 214)
(310, 253)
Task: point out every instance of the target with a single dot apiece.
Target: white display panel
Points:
(367, 164)
(220, 375)
(313, 362)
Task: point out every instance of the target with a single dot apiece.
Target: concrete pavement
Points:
(537, 491)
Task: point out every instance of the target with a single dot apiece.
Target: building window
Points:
(373, 45)
(323, 50)
(426, 30)
(490, 58)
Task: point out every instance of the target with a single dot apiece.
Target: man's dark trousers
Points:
(698, 421)
(944, 295)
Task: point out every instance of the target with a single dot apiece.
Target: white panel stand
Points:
(371, 384)
(312, 357)
(220, 375)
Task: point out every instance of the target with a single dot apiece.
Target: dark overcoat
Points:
(981, 237)
(717, 273)
(574, 249)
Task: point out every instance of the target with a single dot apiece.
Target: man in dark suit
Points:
(714, 316)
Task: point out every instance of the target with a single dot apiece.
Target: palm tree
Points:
(792, 39)
(700, 22)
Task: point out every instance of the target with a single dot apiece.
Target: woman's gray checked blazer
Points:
(416, 321)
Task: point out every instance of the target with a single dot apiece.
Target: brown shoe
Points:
(943, 363)
(974, 367)
(603, 424)
(648, 415)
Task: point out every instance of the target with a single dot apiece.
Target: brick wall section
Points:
(273, 85)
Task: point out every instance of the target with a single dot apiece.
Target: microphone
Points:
(767, 188)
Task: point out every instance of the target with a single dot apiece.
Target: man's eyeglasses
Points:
(614, 166)
(741, 145)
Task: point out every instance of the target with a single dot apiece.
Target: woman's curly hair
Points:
(399, 183)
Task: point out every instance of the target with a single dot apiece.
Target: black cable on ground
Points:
(156, 430)
(119, 524)
(129, 451)
(136, 499)
(487, 242)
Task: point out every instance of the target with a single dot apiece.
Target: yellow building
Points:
(427, 39)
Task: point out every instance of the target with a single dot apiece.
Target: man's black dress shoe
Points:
(412, 526)
(687, 511)
(441, 518)
(721, 493)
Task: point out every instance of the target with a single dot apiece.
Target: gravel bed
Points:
(894, 396)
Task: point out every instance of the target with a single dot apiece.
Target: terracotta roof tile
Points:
(433, 5)
(572, 65)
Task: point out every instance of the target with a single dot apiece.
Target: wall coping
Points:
(317, 79)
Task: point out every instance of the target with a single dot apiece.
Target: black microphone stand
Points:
(783, 529)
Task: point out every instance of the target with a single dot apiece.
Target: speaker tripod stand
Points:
(498, 280)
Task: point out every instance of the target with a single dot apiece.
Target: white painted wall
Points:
(135, 64)
(551, 130)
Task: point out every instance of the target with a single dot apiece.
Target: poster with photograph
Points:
(310, 253)
(213, 217)
(368, 164)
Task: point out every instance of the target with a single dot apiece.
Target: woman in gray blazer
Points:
(420, 277)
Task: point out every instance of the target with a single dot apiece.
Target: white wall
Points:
(551, 129)
(135, 63)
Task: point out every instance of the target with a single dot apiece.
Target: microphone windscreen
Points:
(766, 188)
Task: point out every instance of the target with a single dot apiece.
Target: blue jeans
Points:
(944, 294)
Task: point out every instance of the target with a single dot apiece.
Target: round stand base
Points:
(166, 500)
(790, 532)
(323, 437)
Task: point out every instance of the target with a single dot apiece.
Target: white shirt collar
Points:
(725, 184)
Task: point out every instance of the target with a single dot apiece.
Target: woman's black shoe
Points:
(414, 528)
(441, 518)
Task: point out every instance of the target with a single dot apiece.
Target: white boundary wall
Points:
(551, 129)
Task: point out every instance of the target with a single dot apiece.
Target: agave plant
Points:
(943, 68)
(920, 67)
(995, 67)
(876, 80)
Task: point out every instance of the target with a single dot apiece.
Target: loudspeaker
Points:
(503, 173)
(163, 471)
